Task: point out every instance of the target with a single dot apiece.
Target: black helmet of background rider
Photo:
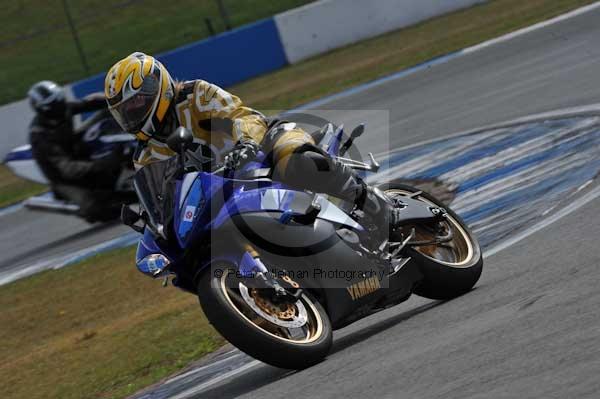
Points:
(48, 99)
(140, 92)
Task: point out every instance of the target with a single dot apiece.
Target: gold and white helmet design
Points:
(139, 92)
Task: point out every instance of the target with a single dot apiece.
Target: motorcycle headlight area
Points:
(153, 265)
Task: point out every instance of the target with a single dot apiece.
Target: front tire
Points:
(449, 270)
(233, 311)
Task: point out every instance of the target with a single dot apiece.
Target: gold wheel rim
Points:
(314, 322)
(462, 244)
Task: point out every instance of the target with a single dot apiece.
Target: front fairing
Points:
(192, 197)
(149, 245)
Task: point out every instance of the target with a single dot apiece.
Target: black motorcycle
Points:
(98, 138)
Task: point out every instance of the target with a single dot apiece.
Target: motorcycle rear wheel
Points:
(248, 320)
(450, 269)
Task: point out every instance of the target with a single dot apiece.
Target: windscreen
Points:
(155, 187)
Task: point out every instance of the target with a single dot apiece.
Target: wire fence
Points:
(66, 40)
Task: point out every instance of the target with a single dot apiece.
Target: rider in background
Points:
(58, 150)
(148, 103)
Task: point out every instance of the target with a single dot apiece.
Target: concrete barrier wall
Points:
(14, 118)
(14, 124)
(328, 24)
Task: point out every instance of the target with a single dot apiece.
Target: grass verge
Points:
(36, 42)
(97, 330)
(14, 189)
(103, 330)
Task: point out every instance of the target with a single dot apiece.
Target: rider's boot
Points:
(379, 207)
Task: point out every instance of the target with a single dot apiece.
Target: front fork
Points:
(255, 274)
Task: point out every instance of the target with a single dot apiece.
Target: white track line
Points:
(471, 199)
(514, 153)
(425, 161)
(539, 25)
(230, 355)
(198, 388)
(448, 57)
(68, 259)
(11, 209)
(572, 207)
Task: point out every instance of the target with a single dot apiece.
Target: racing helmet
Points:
(139, 92)
(48, 99)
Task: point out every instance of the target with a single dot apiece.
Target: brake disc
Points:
(292, 316)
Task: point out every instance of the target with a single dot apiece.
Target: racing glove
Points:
(244, 151)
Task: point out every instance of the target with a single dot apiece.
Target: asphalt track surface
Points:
(529, 330)
(530, 327)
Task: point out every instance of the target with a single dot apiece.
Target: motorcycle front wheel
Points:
(450, 268)
(287, 335)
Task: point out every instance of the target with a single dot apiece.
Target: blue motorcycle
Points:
(278, 269)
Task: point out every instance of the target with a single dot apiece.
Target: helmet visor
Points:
(132, 113)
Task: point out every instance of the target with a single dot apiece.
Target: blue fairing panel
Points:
(274, 199)
(257, 200)
(19, 154)
(334, 145)
(201, 193)
(190, 206)
(147, 246)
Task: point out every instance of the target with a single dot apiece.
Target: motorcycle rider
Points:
(58, 150)
(148, 103)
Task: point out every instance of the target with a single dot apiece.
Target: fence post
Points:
(76, 37)
(209, 26)
(224, 14)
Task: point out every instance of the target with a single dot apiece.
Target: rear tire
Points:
(443, 280)
(217, 301)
